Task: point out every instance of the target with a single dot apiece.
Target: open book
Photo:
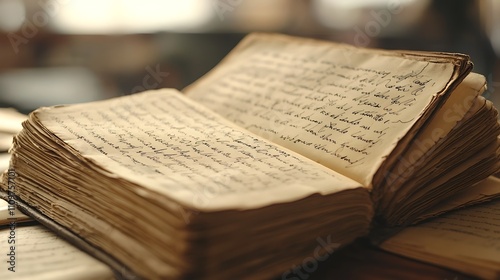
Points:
(290, 148)
(30, 250)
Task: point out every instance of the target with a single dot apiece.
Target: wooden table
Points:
(361, 260)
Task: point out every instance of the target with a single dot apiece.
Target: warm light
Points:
(359, 4)
(344, 14)
(12, 15)
(36, 87)
(130, 16)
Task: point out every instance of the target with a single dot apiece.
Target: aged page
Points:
(459, 105)
(486, 190)
(466, 240)
(341, 106)
(34, 252)
(170, 145)
(455, 151)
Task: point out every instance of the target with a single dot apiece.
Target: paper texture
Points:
(344, 107)
(165, 143)
(40, 254)
(466, 240)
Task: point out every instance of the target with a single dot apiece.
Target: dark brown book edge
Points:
(120, 271)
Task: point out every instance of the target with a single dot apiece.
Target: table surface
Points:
(361, 260)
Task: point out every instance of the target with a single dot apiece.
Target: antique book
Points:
(287, 150)
(30, 250)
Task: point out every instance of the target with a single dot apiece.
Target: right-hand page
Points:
(344, 107)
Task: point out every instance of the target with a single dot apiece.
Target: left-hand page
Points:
(172, 146)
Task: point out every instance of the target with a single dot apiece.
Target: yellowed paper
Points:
(481, 192)
(343, 107)
(452, 112)
(170, 145)
(33, 252)
(466, 240)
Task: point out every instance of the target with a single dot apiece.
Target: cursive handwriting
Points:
(327, 107)
(182, 147)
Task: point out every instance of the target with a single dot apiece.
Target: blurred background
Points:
(67, 51)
